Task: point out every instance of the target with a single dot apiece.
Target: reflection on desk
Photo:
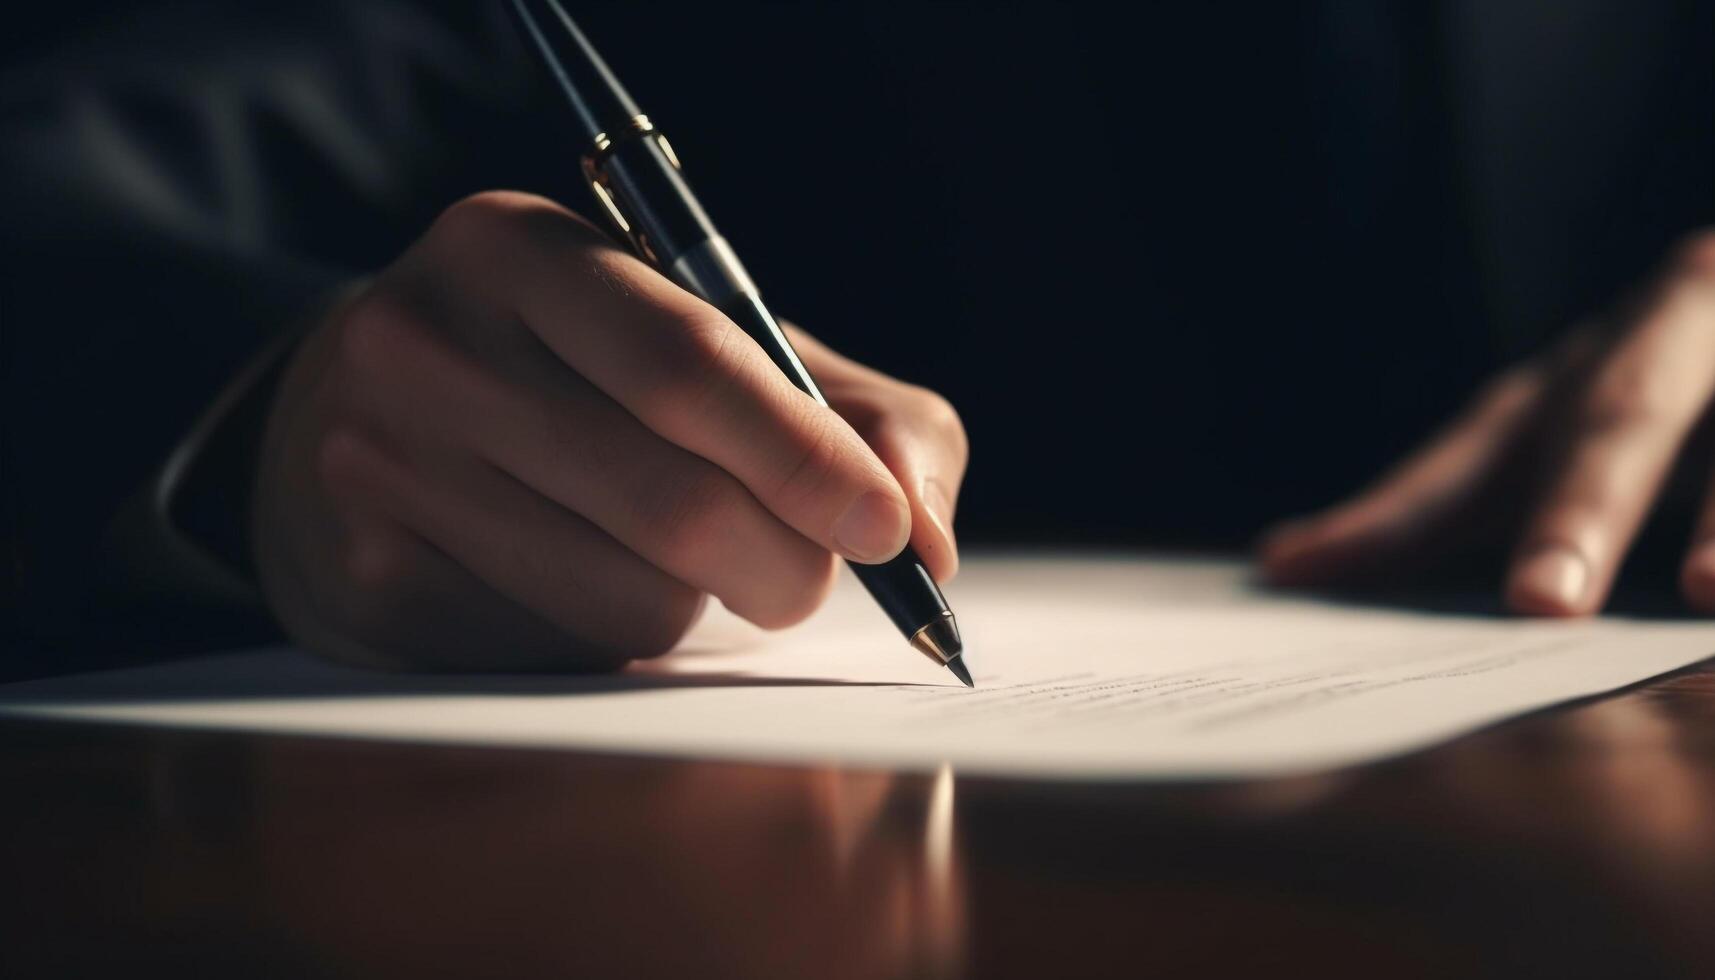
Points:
(1573, 843)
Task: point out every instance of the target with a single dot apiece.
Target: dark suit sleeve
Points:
(182, 190)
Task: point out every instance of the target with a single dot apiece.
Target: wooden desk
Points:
(1576, 843)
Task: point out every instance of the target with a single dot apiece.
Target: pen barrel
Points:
(595, 96)
(647, 198)
(902, 586)
(638, 180)
(905, 591)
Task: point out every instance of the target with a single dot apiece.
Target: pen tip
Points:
(957, 666)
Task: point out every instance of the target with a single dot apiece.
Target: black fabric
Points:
(211, 505)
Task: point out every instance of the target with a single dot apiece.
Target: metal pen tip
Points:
(957, 666)
(939, 639)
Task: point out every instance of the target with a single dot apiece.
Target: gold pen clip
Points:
(638, 127)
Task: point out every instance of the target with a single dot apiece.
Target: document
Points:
(1086, 668)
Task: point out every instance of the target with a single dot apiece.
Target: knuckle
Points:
(697, 365)
(363, 597)
(372, 562)
(472, 221)
(702, 357)
(914, 414)
(1697, 585)
(799, 592)
(684, 516)
(1623, 399)
(660, 631)
(603, 264)
(1507, 388)
(376, 331)
(942, 418)
(391, 359)
(343, 460)
(818, 457)
(486, 214)
(497, 218)
(1694, 257)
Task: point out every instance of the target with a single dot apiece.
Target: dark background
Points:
(1183, 268)
(1186, 267)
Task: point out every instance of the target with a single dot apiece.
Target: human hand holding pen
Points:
(1556, 463)
(521, 447)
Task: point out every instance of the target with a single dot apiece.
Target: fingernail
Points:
(874, 528)
(1553, 580)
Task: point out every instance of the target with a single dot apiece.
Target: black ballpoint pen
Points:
(636, 176)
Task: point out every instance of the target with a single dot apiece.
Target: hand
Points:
(520, 447)
(1559, 460)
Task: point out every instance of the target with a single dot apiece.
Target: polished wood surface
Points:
(1574, 843)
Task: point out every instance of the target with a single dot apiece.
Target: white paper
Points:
(1108, 668)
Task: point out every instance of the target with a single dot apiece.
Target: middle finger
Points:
(560, 436)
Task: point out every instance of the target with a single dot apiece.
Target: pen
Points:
(637, 177)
